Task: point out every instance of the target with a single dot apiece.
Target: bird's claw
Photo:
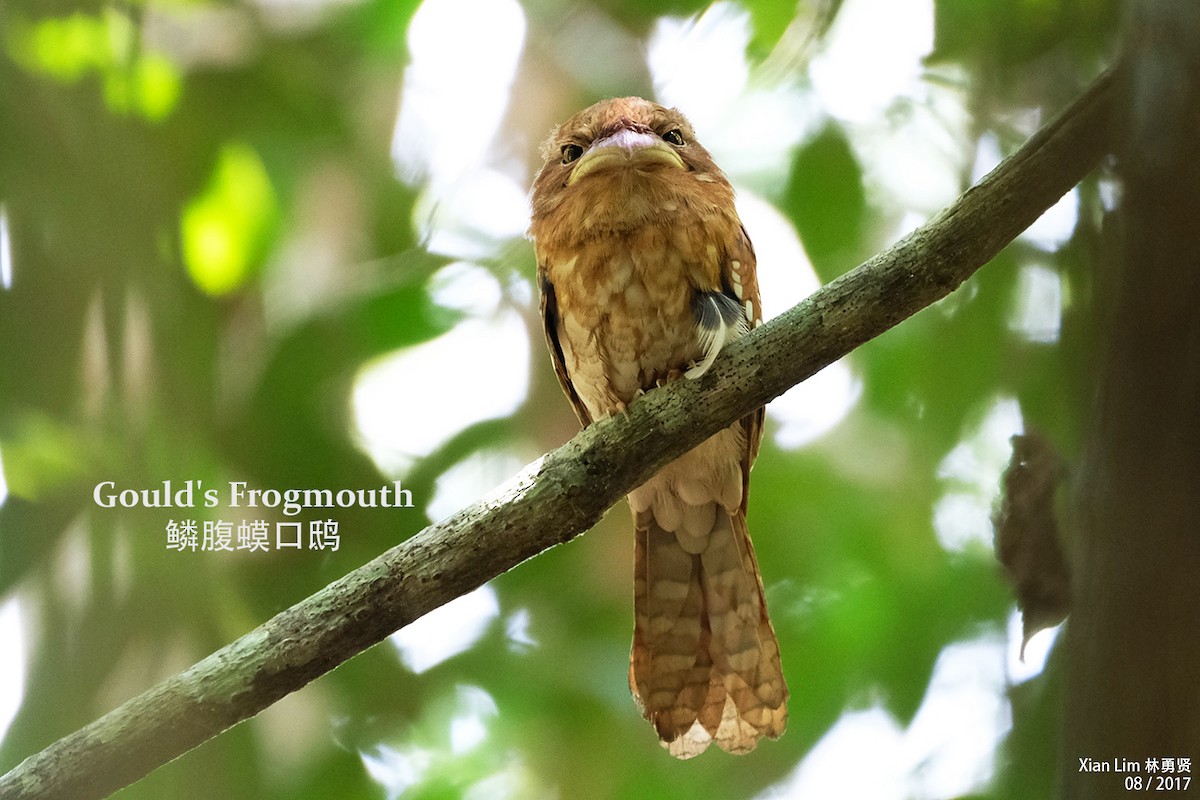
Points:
(672, 375)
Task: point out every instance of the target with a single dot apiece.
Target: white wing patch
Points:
(735, 275)
(719, 319)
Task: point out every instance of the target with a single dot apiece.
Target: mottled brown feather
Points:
(549, 309)
(626, 249)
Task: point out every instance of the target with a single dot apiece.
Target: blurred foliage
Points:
(159, 204)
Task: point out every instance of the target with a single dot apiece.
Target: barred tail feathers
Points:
(705, 661)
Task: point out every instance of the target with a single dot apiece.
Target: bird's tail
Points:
(705, 661)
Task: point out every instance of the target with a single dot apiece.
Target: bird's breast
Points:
(625, 311)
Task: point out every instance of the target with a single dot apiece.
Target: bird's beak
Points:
(625, 148)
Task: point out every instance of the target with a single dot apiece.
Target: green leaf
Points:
(227, 228)
(826, 201)
(769, 18)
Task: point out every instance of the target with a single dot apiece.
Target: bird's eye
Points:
(674, 136)
(570, 152)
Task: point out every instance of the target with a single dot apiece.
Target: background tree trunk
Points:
(1133, 647)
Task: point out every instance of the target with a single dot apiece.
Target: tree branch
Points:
(565, 492)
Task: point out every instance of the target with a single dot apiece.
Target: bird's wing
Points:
(550, 323)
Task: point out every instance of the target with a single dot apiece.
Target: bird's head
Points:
(622, 163)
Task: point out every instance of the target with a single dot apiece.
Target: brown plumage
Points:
(646, 272)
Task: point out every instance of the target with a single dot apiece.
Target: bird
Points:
(645, 273)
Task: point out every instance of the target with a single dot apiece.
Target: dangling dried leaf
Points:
(1026, 535)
